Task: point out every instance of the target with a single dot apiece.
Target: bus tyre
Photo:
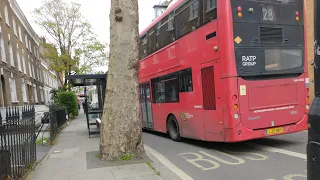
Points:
(173, 128)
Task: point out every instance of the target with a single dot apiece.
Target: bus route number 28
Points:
(268, 13)
(249, 61)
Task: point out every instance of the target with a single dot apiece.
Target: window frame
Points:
(169, 77)
(171, 17)
(13, 90)
(182, 74)
(163, 80)
(24, 91)
(18, 58)
(211, 7)
(192, 10)
(23, 62)
(14, 23)
(6, 13)
(3, 50)
(11, 56)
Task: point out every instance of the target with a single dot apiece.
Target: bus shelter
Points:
(94, 93)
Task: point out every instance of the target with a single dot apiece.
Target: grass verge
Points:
(153, 168)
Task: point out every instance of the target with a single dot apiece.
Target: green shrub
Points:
(70, 101)
(54, 93)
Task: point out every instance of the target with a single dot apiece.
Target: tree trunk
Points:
(121, 127)
(65, 78)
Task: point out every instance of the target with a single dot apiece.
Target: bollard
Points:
(313, 146)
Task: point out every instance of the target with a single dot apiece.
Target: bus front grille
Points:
(271, 35)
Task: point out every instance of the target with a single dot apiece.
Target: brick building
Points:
(24, 78)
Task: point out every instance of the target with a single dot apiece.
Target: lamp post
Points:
(313, 147)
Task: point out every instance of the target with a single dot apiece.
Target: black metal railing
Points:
(17, 142)
(57, 118)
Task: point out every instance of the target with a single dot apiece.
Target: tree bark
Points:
(121, 127)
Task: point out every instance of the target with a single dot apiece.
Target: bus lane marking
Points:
(204, 157)
(262, 157)
(291, 176)
(181, 174)
(277, 150)
(240, 161)
(199, 158)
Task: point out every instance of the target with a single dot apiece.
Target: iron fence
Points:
(57, 118)
(17, 142)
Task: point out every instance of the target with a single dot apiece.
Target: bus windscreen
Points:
(268, 40)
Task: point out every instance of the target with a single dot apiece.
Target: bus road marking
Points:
(168, 164)
(202, 158)
(291, 176)
(277, 150)
(262, 157)
(239, 160)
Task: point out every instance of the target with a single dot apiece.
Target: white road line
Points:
(168, 164)
(277, 150)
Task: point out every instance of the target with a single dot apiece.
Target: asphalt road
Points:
(276, 158)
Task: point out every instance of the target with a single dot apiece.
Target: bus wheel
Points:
(173, 128)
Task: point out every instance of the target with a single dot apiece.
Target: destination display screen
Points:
(269, 12)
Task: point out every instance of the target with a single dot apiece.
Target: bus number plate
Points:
(275, 130)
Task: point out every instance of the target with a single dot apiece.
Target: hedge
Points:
(70, 101)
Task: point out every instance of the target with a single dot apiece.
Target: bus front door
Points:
(146, 108)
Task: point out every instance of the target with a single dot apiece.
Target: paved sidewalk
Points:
(68, 160)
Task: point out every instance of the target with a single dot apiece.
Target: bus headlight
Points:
(236, 116)
(307, 106)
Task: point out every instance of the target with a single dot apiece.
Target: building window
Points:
(7, 15)
(26, 40)
(18, 58)
(211, 4)
(3, 50)
(29, 63)
(35, 94)
(11, 54)
(194, 9)
(24, 63)
(30, 48)
(24, 92)
(14, 26)
(33, 74)
(13, 90)
(20, 33)
(41, 95)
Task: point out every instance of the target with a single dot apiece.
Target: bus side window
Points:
(158, 91)
(165, 89)
(187, 17)
(185, 80)
(143, 48)
(209, 11)
(166, 35)
(152, 40)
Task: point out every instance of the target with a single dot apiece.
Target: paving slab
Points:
(74, 156)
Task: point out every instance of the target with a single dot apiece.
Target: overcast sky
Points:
(96, 11)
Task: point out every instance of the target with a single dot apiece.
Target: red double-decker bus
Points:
(225, 70)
